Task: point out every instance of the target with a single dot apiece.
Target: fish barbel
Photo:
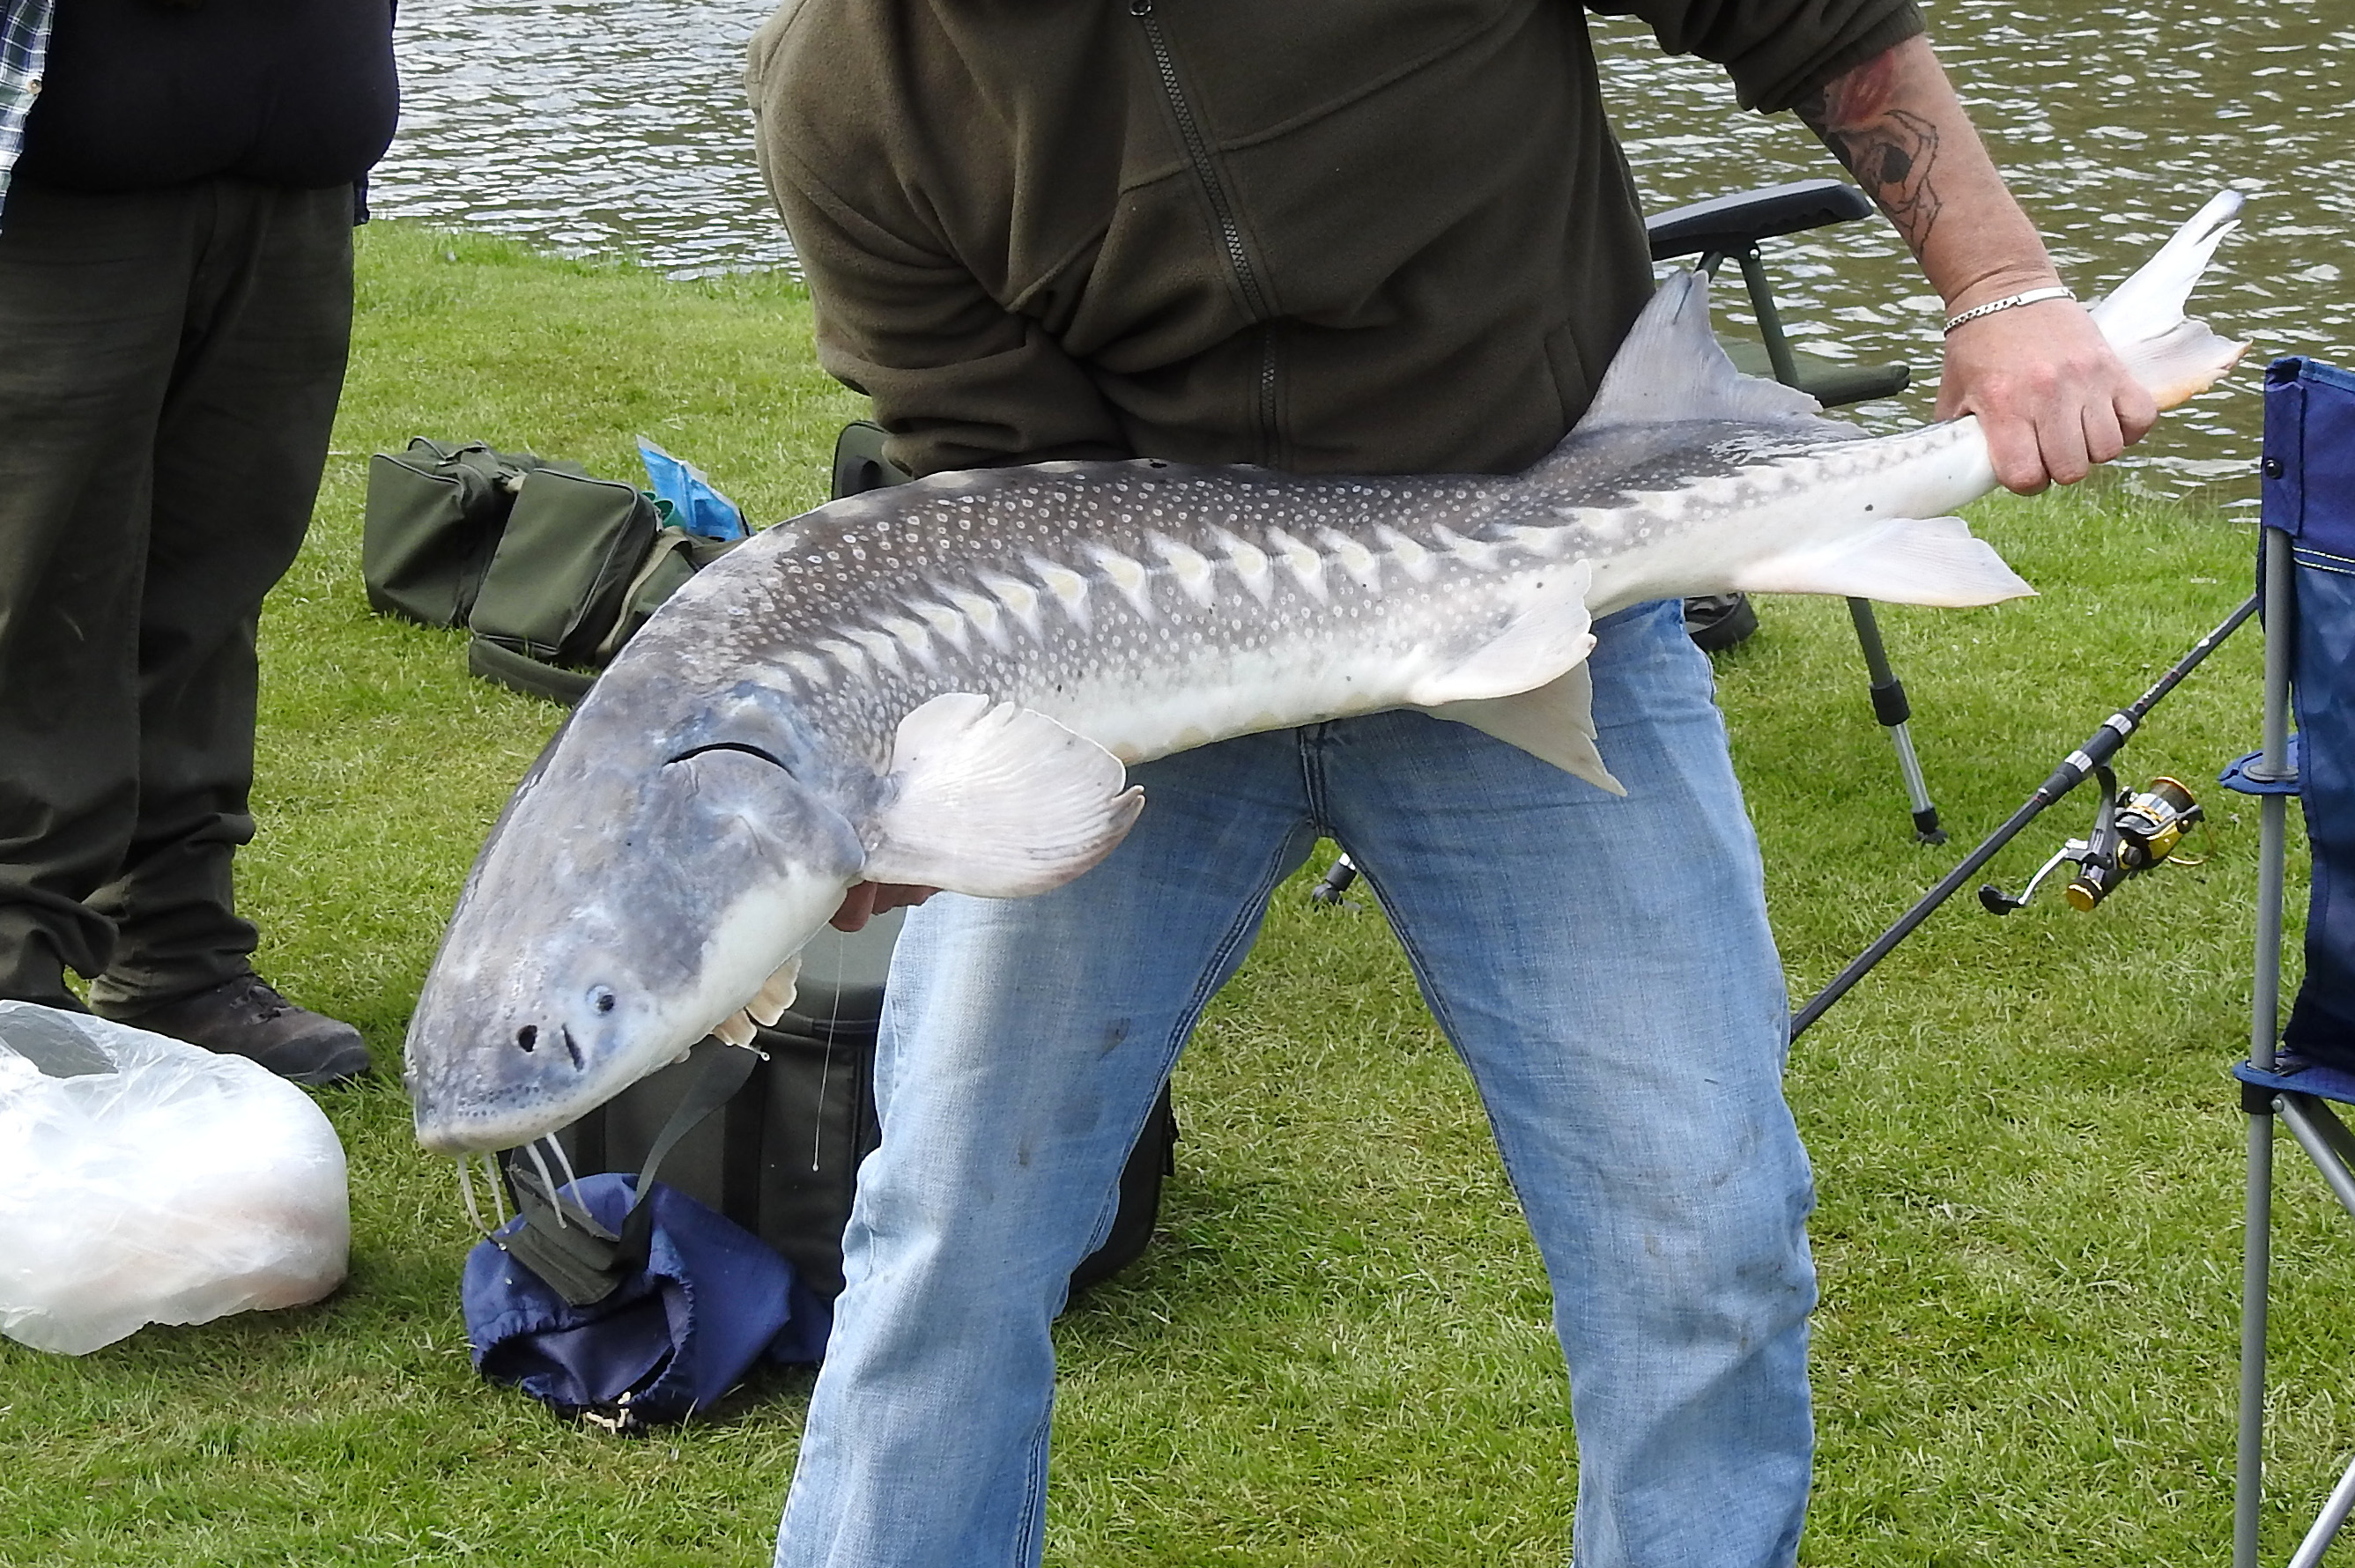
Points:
(940, 683)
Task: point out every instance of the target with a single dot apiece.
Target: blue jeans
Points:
(1602, 964)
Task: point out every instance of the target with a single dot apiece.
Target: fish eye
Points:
(527, 1036)
(603, 999)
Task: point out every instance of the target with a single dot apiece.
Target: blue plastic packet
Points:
(695, 504)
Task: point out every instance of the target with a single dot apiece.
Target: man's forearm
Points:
(1896, 123)
(2048, 391)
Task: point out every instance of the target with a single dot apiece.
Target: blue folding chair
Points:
(2297, 1077)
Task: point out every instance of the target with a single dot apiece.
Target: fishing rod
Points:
(2092, 759)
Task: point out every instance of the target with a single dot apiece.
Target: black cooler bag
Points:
(781, 1157)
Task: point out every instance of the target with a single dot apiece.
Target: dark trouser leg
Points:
(169, 364)
(239, 453)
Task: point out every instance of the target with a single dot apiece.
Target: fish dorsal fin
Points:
(996, 800)
(1672, 370)
(1554, 723)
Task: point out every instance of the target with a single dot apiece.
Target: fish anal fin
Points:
(1905, 561)
(996, 800)
(1554, 723)
(1546, 636)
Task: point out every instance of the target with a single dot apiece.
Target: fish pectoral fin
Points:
(1547, 635)
(1903, 560)
(1554, 723)
(996, 800)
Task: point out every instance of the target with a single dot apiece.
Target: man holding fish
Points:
(1387, 238)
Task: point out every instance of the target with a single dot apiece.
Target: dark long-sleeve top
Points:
(1384, 236)
(142, 94)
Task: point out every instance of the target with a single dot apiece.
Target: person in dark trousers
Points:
(1381, 237)
(177, 192)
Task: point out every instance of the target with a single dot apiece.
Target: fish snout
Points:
(488, 1072)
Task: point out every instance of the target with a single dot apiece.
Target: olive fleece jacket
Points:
(1382, 236)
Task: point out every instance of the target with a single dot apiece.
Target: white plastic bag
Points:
(144, 1180)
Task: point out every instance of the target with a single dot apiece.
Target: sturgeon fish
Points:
(940, 683)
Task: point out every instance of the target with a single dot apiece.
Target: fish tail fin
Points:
(2173, 358)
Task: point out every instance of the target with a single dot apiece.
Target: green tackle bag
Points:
(433, 517)
(551, 569)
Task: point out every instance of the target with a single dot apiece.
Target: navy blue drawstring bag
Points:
(672, 1335)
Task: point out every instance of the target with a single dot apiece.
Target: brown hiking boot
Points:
(245, 1016)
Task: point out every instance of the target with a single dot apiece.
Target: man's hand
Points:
(2053, 398)
(865, 900)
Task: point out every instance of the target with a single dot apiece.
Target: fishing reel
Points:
(2132, 833)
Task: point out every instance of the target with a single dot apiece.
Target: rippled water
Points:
(585, 126)
(2112, 122)
(590, 127)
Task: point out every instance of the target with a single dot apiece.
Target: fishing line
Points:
(547, 1181)
(466, 1186)
(565, 1162)
(826, 1065)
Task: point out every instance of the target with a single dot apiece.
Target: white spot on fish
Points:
(1356, 559)
(1251, 565)
(1128, 576)
(1307, 565)
(913, 636)
(1189, 567)
(1412, 559)
(1018, 597)
(1070, 589)
(851, 657)
(952, 626)
(981, 614)
(883, 647)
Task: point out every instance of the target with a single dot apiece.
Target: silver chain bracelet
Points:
(2033, 297)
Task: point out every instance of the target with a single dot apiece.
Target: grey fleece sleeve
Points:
(1777, 52)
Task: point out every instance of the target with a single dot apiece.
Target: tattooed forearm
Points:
(1891, 151)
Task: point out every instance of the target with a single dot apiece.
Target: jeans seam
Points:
(1434, 997)
(1030, 1519)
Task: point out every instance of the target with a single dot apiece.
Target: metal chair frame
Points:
(2275, 1091)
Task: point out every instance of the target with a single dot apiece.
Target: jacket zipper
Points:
(1197, 151)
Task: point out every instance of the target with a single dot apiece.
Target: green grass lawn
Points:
(1337, 1352)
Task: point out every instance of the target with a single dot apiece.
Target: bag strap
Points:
(561, 1241)
(669, 543)
(519, 671)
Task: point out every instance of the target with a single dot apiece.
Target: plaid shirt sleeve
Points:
(23, 44)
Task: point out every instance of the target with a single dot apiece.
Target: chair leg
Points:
(1888, 706)
(2265, 1033)
(2326, 1524)
(2256, 1268)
